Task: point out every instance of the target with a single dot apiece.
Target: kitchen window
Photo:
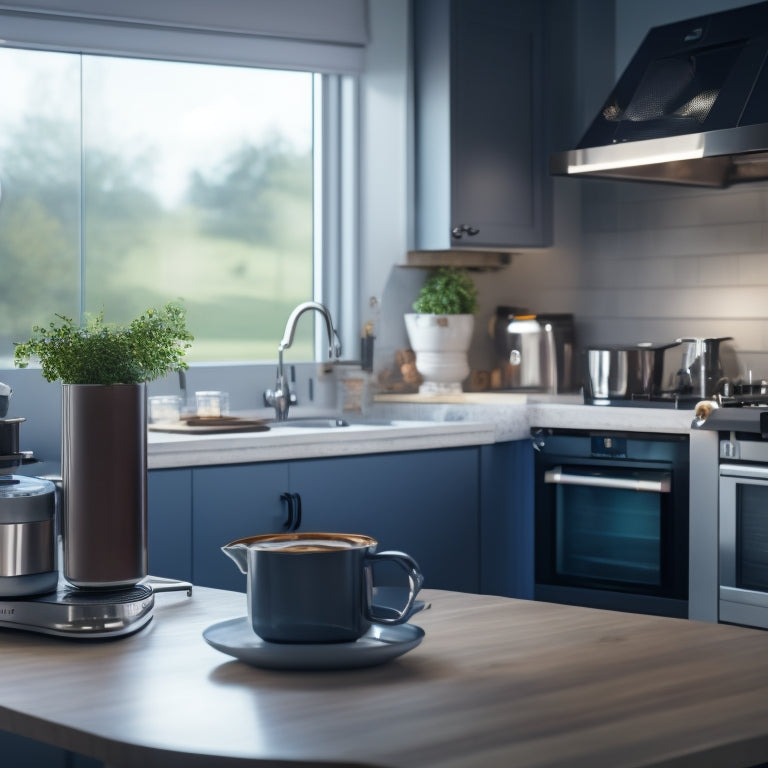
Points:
(128, 181)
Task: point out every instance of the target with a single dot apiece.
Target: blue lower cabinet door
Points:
(424, 503)
(232, 502)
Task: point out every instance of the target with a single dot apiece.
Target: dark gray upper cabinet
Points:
(480, 103)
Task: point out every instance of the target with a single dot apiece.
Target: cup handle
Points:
(415, 582)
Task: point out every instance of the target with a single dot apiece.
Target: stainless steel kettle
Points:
(536, 352)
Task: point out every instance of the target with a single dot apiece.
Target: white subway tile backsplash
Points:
(645, 262)
(659, 262)
(715, 208)
(710, 239)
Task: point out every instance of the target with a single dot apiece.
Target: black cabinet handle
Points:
(288, 499)
(464, 229)
(293, 502)
(297, 510)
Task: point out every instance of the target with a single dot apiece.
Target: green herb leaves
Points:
(153, 345)
(447, 291)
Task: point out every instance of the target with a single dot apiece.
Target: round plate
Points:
(378, 645)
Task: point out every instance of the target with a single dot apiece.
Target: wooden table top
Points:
(495, 682)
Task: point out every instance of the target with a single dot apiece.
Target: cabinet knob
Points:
(463, 229)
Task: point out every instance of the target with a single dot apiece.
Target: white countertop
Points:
(167, 450)
(513, 415)
(415, 424)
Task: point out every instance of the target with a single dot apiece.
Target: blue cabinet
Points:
(482, 175)
(506, 519)
(231, 502)
(424, 503)
(465, 514)
(169, 523)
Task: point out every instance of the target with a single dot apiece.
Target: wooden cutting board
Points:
(198, 425)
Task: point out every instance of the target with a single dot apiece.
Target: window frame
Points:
(336, 67)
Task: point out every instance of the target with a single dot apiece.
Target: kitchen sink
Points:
(328, 422)
(311, 423)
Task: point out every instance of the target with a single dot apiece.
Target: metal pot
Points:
(701, 371)
(625, 372)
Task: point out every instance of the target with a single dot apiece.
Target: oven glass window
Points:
(752, 537)
(609, 535)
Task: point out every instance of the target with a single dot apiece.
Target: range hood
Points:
(691, 107)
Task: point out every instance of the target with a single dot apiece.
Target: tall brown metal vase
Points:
(104, 484)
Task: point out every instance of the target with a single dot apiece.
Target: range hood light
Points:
(668, 157)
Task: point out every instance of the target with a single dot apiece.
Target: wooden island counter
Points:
(495, 682)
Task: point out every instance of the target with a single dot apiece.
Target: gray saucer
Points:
(378, 645)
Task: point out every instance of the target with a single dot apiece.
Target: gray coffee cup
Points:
(317, 587)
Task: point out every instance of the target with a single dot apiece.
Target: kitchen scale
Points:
(88, 613)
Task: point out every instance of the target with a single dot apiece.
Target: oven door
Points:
(743, 544)
(611, 528)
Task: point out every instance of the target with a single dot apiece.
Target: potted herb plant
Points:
(104, 369)
(440, 329)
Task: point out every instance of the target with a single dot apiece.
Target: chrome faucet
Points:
(281, 397)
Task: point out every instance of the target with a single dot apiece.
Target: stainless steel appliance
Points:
(611, 520)
(27, 521)
(536, 351)
(739, 509)
(676, 374)
(89, 614)
(72, 612)
(708, 366)
(629, 374)
(690, 108)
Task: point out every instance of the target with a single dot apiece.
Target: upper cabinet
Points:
(482, 177)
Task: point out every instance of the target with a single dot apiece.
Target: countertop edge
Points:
(416, 427)
(257, 448)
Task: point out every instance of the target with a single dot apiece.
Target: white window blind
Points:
(316, 35)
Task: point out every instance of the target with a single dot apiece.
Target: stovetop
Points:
(733, 416)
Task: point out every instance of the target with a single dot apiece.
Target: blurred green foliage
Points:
(237, 249)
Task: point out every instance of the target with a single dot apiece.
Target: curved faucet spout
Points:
(334, 345)
(281, 397)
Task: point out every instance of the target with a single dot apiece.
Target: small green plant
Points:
(447, 291)
(96, 352)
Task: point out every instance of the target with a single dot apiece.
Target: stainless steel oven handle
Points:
(744, 470)
(558, 477)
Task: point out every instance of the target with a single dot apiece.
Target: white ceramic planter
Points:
(441, 343)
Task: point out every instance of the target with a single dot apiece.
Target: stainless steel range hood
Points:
(691, 107)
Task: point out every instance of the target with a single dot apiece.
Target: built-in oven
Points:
(611, 520)
(729, 490)
(744, 543)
